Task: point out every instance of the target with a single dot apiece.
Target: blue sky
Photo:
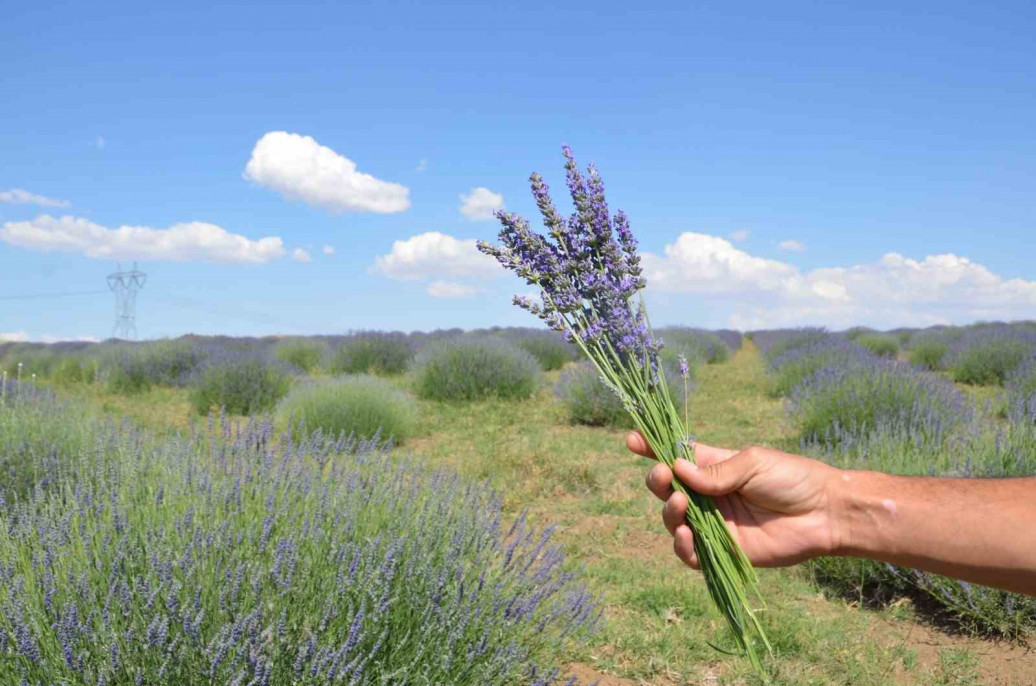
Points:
(888, 146)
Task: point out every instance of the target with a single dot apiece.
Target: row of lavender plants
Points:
(234, 556)
(860, 410)
(248, 375)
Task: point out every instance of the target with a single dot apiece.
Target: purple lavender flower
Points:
(588, 273)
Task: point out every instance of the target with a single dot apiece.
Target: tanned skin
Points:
(784, 509)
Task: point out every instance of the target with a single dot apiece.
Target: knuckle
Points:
(715, 471)
(753, 452)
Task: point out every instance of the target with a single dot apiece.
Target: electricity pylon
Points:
(125, 285)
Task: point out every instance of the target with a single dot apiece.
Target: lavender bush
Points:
(696, 343)
(75, 369)
(363, 406)
(986, 355)
(548, 347)
(243, 383)
(929, 351)
(35, 358)
(304, 354)
(882, 345)
(228, 557)
(799, 361)
(731, 338)
(464, 369)
(775, 342)
(1021, 393)
(588, 272)
(847, 404)
(589, 401)
(136, 367)
(35, 430)
(371, 352)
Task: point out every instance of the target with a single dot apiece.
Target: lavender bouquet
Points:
(588, 273)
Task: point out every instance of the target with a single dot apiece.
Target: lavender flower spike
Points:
(588, 273)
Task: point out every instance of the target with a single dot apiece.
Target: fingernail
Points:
(680, 462)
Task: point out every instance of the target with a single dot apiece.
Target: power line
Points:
(55, 294)
(238, 313)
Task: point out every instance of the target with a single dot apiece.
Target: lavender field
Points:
(456, 507)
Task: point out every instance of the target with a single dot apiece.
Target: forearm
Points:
(979, 530)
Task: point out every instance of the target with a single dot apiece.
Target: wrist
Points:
(859, 516)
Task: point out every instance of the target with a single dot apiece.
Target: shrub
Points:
(856, 332)
(301, 353)
(364, 406)
(241, 385)
(470, 369)
(696, 343)
(232, 559)
(35, 429)
(847, 404)
(1021, 393)
(929, 352)
(549, 349)
(791, 368)
(35, 358)
(588, 401)
(881, 345)
(133, 368)
(987, 356)
(776, 342)
(74, 370)
(371, 353)
(731, 338)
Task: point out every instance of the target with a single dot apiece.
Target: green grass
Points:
(659, 621)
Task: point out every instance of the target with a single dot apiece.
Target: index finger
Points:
(638, 444)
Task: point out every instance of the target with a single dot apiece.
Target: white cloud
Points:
(328, 250)
(701, 263)
(740, 235)
(19, 196)
(49, 338)
(450, 289)
(300, 255)
(422, 165)
(480, 204)
(180, 242)
(435, 255)
(98, 142)
(299, 168)
(894, 291)
(22, 336)
(792, 246)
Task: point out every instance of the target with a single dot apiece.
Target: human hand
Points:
(778, 506)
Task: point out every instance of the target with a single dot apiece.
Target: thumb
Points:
(717, 478)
